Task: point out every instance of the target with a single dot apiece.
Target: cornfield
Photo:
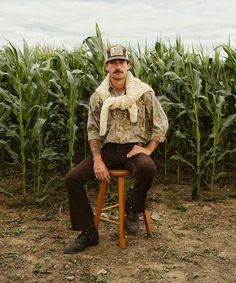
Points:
(44, 94)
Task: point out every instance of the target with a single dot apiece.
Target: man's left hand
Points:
(138, 149)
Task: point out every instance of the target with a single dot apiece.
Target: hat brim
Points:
(117, 58)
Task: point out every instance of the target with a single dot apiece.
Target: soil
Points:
(192, 241)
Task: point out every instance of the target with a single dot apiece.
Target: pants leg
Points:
(142, 169)
(81, 213)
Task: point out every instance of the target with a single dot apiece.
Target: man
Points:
(125, 125)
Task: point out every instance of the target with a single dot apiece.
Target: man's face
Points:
(118, 69)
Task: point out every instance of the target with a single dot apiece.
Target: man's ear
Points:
(105, 66)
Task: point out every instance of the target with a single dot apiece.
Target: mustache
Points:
(117, 72)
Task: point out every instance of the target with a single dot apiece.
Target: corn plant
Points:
(44, 94)
(16, 70)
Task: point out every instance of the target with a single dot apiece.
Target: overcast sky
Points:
(68, 22)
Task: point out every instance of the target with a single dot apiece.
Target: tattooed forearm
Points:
(95, 146)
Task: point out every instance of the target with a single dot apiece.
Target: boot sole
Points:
(80, 250)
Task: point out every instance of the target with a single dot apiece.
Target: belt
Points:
(125, 144)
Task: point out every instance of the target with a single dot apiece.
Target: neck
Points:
(118, 85)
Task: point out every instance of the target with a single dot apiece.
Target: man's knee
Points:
(150, 169)
(72, 180)
(68, 180)
(153, 169)
(146, 166)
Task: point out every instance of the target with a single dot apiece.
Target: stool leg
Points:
(147, 221)
(121, 196)
(100, 203)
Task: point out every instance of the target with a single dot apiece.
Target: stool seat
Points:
(120, 174)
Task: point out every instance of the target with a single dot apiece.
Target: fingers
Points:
(130, 154)
(138, 149)
(102, 175)
(135, 150)
(105, 176)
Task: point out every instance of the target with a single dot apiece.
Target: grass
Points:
(200, 227)
(211, 252)
(191, 256)
(39, 269)
(8, 257)
(152, 273)
(101, 278)
(181, 207)
(12, 232)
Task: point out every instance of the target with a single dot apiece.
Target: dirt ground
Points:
(193, 241)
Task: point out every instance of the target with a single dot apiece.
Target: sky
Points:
(65, 23)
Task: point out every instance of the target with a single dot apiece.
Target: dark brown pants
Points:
(141, 168)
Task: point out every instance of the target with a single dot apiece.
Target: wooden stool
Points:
(120, 174)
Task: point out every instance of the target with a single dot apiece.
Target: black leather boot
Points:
(131, 219)
(87, 238)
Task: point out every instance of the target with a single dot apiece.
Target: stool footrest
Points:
(109, 220)
(110, 207)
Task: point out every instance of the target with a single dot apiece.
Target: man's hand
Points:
(138, 149)
(100, 170)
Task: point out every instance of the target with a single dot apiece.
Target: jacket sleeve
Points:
(159, 120)
(93, 122)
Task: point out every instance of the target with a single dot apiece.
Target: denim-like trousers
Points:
(140, 166)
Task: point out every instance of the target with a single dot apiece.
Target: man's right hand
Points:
(100, 170)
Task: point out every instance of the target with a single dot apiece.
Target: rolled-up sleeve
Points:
(160, 121)
(95, 104)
